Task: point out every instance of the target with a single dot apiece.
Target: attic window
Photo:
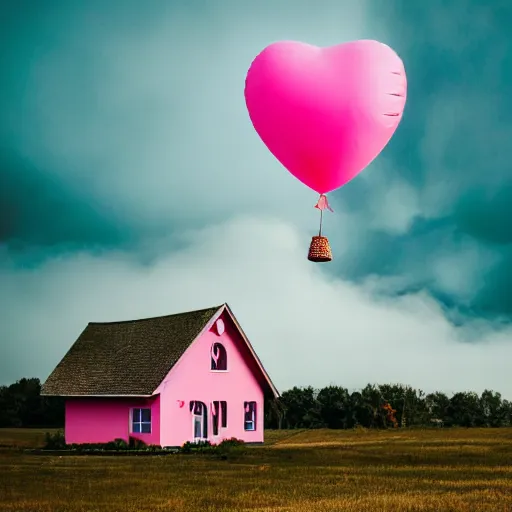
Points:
(219, 357)
(141, 421)
(250, 416)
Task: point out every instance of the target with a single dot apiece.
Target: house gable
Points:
(243, 345)
(192, 380)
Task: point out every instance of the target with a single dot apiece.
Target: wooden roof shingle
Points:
(126, 358)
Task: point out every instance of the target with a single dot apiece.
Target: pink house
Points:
(165, 380)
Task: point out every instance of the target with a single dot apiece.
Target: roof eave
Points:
(66, 395)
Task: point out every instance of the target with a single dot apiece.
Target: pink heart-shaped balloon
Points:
(326, 113)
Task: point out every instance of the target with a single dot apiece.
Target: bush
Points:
(231, 448)
(54, 441)
(115, 445)
(231, 442)
(57, 442)
(227, 448)
(199, 447)
(136, 444)
(120, 444)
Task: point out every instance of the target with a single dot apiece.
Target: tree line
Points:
(385, 406)
(21, 405)
(375, 406)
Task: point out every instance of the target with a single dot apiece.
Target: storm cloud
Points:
(132, 184)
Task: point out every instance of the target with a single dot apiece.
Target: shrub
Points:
(115, 445)
(232, 441)
(231, 448)
(199, 447)
(186, 448)
(136, 444)
(54, 441)
(120, 444)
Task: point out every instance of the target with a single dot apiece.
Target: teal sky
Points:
(132, 184)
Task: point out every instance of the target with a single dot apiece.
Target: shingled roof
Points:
(126, 358)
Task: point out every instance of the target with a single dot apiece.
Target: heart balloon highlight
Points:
(326, 113)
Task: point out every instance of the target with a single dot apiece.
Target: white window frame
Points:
(140, 423)
(203, 416)
(253, 415)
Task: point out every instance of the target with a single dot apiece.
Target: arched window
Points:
(199, 420)
(219, 357)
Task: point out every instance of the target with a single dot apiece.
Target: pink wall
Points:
(192, 379)
(100, 420)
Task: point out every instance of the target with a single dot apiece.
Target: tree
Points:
(408, 402)
(301, 408)
(493, 411)
(465, 410)
(274, 413)
(334, 403)
(375, 406)
(21, 405)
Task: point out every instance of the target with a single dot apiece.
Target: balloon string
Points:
(322, 204)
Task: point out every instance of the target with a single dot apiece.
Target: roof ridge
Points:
(156, 317)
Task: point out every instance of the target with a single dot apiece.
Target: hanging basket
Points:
(319, 250)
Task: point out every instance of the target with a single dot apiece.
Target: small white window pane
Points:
(136, 428)
(146, 415)
(197, 427)
(146, 428)
(136, 415)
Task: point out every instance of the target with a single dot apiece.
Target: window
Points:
(224, 410)
(219, 415)
(141, 421)
(219, 357)
(250, 415)
(215, 418)
(199, 420)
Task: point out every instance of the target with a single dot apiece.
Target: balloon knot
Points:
(323, 203)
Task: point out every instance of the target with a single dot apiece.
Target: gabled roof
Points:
(126, 358)
(131, 358)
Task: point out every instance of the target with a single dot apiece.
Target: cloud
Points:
(308, 327)
(130, 137)
(152, 121)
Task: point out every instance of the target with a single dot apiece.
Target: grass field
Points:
(321, 470)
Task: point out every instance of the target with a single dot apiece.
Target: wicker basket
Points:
(319, 250)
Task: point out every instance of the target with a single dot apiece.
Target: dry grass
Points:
(22, 437)
(325, 471)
